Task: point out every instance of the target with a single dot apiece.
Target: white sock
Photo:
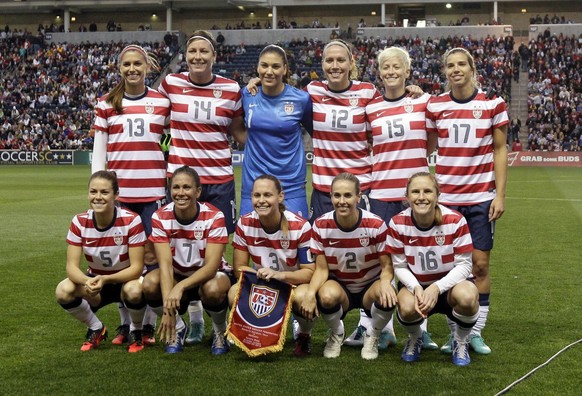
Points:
(150, 317)
(218, 320)
(123, 314)
(380, 319)
(365, 320)
(413, 330)
(334, 321)
(305, 326)
(462, 332)
(424, 325)
(480, 325)
(136, 316)
(84, 314)
(196, 312)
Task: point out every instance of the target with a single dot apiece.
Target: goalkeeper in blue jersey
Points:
(273, 119)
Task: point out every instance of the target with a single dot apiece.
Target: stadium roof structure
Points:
(80, 6)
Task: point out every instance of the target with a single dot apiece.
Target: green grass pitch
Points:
(535, 311)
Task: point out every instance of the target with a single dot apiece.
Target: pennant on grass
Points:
(260, 314)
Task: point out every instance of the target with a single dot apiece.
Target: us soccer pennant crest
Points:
(258, 320)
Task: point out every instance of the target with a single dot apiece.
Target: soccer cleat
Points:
(477, 344)
(387, 339)
(370, 348)
(333, 346)
(196, 333)
(121, 335)
(428, 343)
(302, 345)
(357, 337)
(94, 338)
(219, 345)
(135, 341)
(149, 335)
(411, 352)
(178, 344)
(461, 353)
(448, 346)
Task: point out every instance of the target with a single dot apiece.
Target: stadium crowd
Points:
(555, 93)
(48, 91)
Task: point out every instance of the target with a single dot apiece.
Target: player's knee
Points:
(328, 297)
(213, 292)
(132, 292)
(151, 286)
(65, 291)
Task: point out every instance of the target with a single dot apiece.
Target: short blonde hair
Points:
(394, 52)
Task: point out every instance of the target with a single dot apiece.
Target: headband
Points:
(201, 38)
(340, 43)
(134, 47)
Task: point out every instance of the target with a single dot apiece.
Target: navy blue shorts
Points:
(110, 293)
(482, 230)
(145, 210)
(356, 300)
(386, 209)
(223, 197)
(442, 306)
(321, 203)
(194, 293)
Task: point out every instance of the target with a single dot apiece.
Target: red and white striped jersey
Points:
(272, 250)
(339, 133)
(133, 144)
(353, 256)
(107, 251)
(399, 144)
(430, 254)
(188, 241)
(464, 166)
(200, 117)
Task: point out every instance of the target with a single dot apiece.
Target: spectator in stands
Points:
(93, 27)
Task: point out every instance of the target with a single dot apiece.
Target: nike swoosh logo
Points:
(174, 233)
(445, 115)
(413, 240)
(253, 105)
(91, 242)
(186, 90)
(380, 113)
(331, 243)
(259, 241)
(325, 99)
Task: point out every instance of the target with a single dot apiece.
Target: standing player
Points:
(189, 238)
(112, 241)
(206, 109)
(276, 241)
(399, 141)
(471, 166)
(431, 251)
(129, 124)
(340, 135)
(352, 269)
(273, 118)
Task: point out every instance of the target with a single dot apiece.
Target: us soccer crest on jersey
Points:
(289, 107)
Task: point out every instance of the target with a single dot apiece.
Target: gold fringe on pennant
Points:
(285, 324)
